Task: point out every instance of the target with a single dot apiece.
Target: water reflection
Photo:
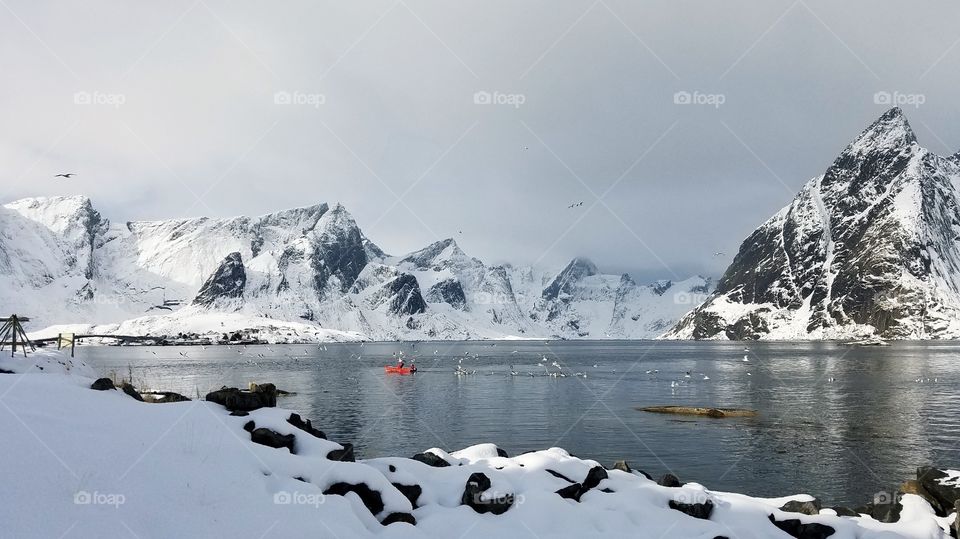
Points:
(838, 422)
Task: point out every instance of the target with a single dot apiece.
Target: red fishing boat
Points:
(393, 369)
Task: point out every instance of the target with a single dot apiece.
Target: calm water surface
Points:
(838, 422)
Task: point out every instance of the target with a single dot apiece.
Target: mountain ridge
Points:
(299, 274)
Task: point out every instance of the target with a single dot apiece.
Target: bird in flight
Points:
(576, 205)
(67, 175)
(719, 253)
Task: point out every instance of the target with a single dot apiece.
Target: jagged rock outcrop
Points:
(867, 249)
(448, 291)
(227, 283)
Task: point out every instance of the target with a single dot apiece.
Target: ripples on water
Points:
(838, 422)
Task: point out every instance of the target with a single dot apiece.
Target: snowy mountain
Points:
(868, 249)
(304, 274)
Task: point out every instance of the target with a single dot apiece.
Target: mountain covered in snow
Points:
(304, 274)
(868, 249)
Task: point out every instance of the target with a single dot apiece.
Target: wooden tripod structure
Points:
(13, 331)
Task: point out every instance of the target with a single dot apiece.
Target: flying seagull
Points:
(67, 176)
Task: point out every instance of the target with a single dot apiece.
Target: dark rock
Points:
(238, 413)
(502, 453)
(130, 390)
(696, 510)
(233, 399)
(162, 397)
(412, 492)
(392, 468)
(399, 517)
(4, 371)
(342, 455)
(370, 498)
(622, 466)
(804, 508)
(472, 497)
(594, 476)
(103, 384)
(249, 426)
(227, 282)
(795, 528)
(305, 426)
(946, 495)
(571, 492)
(669, 480)
(430, 460)
(845, 511)
(888, 512)
(273, 439)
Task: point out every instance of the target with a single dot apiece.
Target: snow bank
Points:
(85, 463)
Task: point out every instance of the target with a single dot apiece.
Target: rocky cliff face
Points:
(867, 249)
(226, 284)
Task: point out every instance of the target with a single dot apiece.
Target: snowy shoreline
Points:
(90, 463)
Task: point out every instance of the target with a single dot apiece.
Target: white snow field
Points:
(83, 463)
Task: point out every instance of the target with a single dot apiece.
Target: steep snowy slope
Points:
(301, 274)
(867, 249)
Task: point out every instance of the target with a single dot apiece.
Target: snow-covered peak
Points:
(60, 214)
(435, 254)
(336, 221)
(891, 131)
(305, 217)
(576, 270)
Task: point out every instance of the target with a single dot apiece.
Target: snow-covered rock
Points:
(868, 249)
(296, 275)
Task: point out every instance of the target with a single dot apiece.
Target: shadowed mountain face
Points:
(870, 248)
(312, 267)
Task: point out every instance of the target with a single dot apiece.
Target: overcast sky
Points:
(179, 108)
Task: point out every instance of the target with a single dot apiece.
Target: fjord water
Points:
(839, 422)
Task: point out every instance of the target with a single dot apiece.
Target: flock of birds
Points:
(267, 355)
